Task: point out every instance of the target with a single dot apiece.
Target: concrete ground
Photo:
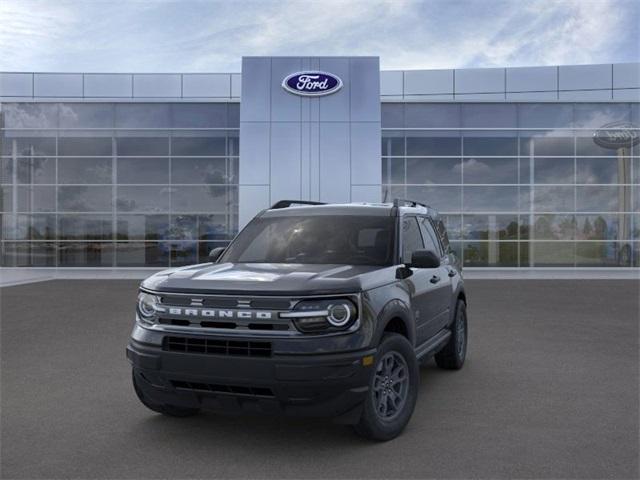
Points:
(550, 390)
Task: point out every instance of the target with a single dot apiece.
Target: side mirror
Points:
(424, 259)
(214, 254)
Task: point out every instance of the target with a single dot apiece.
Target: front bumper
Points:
(326, 385)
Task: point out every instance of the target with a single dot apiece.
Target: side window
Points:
(444, 237)
(411, 238)
(430, 240)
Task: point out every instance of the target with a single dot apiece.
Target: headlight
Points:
(147, 306)
(311, 316)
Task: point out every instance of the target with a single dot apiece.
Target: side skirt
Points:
(432, 345)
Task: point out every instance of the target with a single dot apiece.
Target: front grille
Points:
(211, 302)
(232, 325)
(209, 346)
(230, 389)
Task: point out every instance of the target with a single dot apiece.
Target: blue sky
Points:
(212, 36)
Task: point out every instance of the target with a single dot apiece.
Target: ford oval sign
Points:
(312, 84)
(617, 135)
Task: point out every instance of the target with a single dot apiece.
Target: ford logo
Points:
(617, 135)
(312, 84)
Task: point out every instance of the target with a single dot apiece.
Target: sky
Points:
(212, 36)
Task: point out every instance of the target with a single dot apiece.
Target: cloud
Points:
(196, 35)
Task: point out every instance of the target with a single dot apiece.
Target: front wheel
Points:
(393, 390)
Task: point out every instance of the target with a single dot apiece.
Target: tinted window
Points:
(411, 238)
(442, 232)
(429, 236)
(330, 239)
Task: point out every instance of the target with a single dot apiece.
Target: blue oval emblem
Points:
(617, 135)
(312, 84)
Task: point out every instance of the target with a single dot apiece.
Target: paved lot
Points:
(550, 390)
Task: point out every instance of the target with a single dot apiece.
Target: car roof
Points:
(355, 208)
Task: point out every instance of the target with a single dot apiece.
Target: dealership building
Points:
(531, 167)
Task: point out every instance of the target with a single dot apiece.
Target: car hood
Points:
(270, 279)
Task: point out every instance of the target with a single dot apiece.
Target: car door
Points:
(439, 297)
(419, 284)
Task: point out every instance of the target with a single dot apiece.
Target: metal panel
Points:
(589, 95)
(254, 153)
(108, 85)
(582, 77)
(236, 85)
(627, 95)
(479, 80)
(16, 84)
(285, 107)
(365, 91)
(252, 199)
(256, 89)
(480, 97)
(428, 82)
(335, 107)
(335, 172)
(285, 160)
(157, 85)
(626, 75)
(57, 85)
(532, 79)
(206, 85)
(532, 96)
(391, 83)
(365, 152)
(429, 98)
(366, 193)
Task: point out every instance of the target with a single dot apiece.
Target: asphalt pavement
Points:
(549, 390)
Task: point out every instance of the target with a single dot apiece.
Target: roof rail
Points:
(401, 202)
(288, 203)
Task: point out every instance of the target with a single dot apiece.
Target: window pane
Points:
(216, 227)
(553, 199)
(490, 199)
(392, 145)
(84, 146)
(29, 146)
(36, 170)
(142, 254)
(84, 199)
(36, 199)
(183, 227)
(6, 170)
(490, 170)
(554, 227)
(453, 224)
(392, 115)
(200, 170)
(143, 199)
(198, 146)
(604, 226)
(142, 146)
(84, 170)
(427, 115)
(411, 238)
(142, 227)
(37, 254)
(603, 198)
(444, 199)
(491, 227)
(434, 170)
(79, 115)
(603, 254)
(422, 145)
(85, 227)
(28, 227)
(201, 199)
(143, 170)
(393, 170)
(604, 170)
(546, 146)
(85, 254)
(545, 115)
(553, 170)
(552, 254)
(597, 115)
(490, 254)
(199, 115)
(183, 253)
(587, 147)
(204, 248)
(490, 146)
(489, 115)
(30, 115)
(142, 115)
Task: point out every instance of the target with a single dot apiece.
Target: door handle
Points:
(452, 272)
(435, 279)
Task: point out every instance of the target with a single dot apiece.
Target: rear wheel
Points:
(169, 410)
(452, 356)
(393, 390)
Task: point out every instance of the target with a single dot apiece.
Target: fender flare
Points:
(395, 309)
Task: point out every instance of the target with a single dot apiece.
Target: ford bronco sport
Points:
(313, 309)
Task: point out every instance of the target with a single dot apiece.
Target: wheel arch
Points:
(396, 317)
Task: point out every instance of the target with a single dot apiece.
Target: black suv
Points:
(313, 309)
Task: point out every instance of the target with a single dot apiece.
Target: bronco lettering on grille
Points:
(212, 313)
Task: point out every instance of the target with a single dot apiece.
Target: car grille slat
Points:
(208, 346)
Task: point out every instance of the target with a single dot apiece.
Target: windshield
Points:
(332, 239)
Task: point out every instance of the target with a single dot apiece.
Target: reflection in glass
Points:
(200, 115)
(143, 170)
(200, 170)
(603, 254)
(85, 227)
(490, 227)
(86, 115)
(202, 199)
(490, 199)
(539, 144)
(30, 115)
(392, 145)
(431, 115)
(553, 199)
(84, 199)
(142, 227)
(393, 170)
(443, 199)
(551, 254)
(142, 115)
(554, 227)
(603, 198)
(84, 170)
(490, 170)
(36, 199)
(434, 170)
(142, 146)
(490, 146)
(198, 146)
(490, 254)
(36, 170)
(553, 170)
(40, 146)
(603, 226)
(139, 254)
(29, 227)
(421, 145)
(84, 146)
(143, 199)
(603, 170)
(29, 254)
(71, 254)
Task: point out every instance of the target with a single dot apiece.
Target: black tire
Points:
(164, 409)
(375, 424)
(452, 356)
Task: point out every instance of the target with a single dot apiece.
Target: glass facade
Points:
(117, 184)
(520, 185)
